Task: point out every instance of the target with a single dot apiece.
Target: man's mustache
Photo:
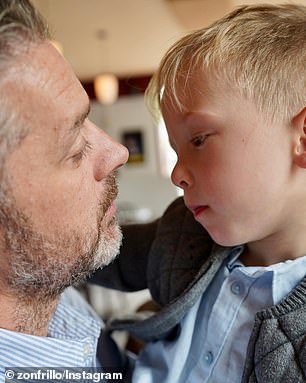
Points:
(110, 192)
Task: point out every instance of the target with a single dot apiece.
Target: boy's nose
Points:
(180, 176)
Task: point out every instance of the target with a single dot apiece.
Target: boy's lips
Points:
(197, 210)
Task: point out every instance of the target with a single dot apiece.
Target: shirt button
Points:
(87, 349)
(236, 288)
(209, 358)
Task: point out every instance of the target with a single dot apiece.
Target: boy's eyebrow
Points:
(198, 116)
(171, 144)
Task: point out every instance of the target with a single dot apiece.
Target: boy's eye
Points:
(198, 140)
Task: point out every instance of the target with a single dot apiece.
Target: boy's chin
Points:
(226, 240)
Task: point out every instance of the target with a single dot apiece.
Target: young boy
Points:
(233, 98)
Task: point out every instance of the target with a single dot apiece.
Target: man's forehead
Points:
(45, 92)
(51, 69)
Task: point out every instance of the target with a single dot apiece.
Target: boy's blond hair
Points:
(258, 49)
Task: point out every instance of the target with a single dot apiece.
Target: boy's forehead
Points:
(189, 91)
(207, 101)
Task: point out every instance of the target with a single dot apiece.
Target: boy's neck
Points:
(275, 249)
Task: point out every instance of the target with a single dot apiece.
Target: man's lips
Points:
(197, 210)
(112, 210)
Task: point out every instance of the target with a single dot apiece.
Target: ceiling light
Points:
(106, 87)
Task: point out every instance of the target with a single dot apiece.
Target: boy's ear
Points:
(299, 123)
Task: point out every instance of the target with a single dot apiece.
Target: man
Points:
(57, 215)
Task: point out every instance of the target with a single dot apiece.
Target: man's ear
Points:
(299, 124)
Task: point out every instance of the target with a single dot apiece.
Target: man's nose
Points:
(112, 155)
(121, 154)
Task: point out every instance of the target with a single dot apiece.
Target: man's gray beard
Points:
(41, 267)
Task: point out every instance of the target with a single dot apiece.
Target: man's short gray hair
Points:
(20, 23)
(20, 27)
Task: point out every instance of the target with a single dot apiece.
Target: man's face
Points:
(233, 165)
(58, 217)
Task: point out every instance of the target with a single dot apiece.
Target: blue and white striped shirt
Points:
(71, 342)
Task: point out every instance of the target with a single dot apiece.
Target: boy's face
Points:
(233, 165)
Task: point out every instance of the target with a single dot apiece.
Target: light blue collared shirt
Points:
(212, 344)
(71, 342)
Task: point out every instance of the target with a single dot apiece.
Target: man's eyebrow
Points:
(72, 132)
(81, 118)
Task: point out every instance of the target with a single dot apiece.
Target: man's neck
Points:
(30, 316)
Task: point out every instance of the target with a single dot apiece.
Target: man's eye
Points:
(198, 141)
(77, 158)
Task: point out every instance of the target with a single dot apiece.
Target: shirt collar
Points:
(71, 341)
(232, 260)
(285, 275)
(74, 318)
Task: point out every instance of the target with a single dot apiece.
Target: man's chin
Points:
(108, 245)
